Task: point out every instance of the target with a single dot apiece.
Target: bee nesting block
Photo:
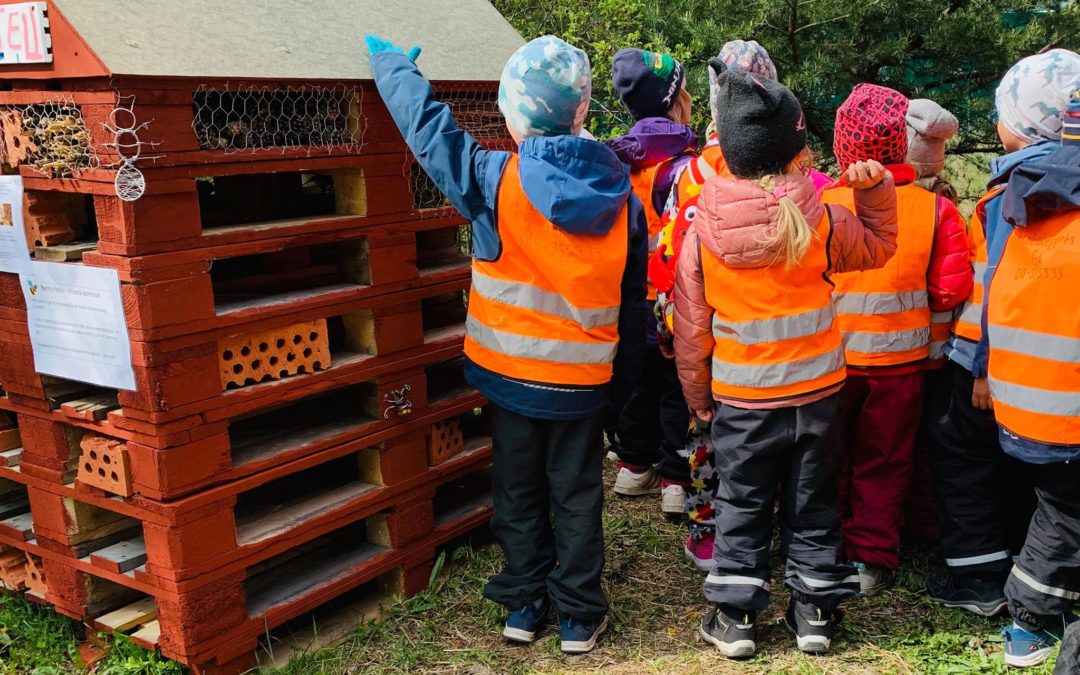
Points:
(104, 464)
(445, 441)
(35, 575)
(274, 354)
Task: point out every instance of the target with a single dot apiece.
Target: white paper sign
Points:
(77, 326)
(14, 254)
(24, 34)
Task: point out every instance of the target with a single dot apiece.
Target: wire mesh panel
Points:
(475, 108)
(52, 137)
(319, 119)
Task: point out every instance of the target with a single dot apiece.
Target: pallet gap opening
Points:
(291, 501)
(444, 315)
(262, 279)
(446, 379)
(270, 199)
(293, 574)
(443, 248)
(462, 498)
(289, 426)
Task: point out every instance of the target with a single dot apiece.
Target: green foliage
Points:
(953, 51)
(34, 639)
(127, 658)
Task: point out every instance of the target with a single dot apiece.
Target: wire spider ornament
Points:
(399, 402)
(130, 183)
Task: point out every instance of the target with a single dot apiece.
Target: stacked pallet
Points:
(301, 428)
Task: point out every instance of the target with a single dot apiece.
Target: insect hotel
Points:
(293, 289)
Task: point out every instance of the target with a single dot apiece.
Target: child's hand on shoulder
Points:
(865, 175)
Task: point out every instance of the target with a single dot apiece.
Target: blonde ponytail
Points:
(793, 233)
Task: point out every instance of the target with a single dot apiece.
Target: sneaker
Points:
(730, 630)
(812, 626)
(699, 550)
(579, 637)
(672, 497)
(524, 624)
(635, 481)
(978, 596)
(1024, 649)
(873, 579)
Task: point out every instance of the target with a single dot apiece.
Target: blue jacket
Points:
(971, 356)
(1045, 182)
(579, 185)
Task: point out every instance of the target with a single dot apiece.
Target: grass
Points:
(656, 604)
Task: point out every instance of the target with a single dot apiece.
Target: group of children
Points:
(759, 341)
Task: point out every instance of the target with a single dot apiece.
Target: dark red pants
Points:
(876, 431)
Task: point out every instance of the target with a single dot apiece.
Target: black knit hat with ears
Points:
(760, 123)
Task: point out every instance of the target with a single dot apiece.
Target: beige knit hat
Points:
(929, 126)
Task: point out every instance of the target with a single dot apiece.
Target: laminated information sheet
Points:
(14, 252)
(77, 326)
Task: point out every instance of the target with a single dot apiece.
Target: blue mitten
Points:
(377, 44)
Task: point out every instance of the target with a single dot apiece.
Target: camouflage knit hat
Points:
(1033, 94)
(545, 88)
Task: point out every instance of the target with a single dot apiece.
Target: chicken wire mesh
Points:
(476, 110)
(318, 119)
(51, 137)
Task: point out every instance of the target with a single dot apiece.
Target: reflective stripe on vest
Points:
(940, 329)
(1034, 332)
(884, 314)
(772, 344)
(537, 299)
(969, 322)
(547, 310)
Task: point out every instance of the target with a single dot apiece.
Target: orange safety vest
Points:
(1034, 332)
(884, 314)
(547, 310)
(969, 320)
(941, 324)
(710, 163)
(772, 343)
(643, 182)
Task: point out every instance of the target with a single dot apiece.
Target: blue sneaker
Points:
(1024, 648)
(524, 624)
(579, 637)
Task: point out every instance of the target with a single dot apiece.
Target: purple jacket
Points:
(654, 140)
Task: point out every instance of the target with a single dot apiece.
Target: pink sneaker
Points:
(700, 551)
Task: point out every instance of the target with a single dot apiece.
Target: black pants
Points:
(759, 450)
(654, 423)
(547, 470)
(1068, 660)
(984, 497)
(1045, 581)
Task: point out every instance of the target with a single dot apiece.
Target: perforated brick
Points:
(444, 441)
(104, 464)
(51, 218)
(35, 575)
(274, 354)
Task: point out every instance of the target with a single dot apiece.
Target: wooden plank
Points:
(11, 458)
(121, 557)
(14, 507)
(20, 526)
(64, 252)
(10, 440)
(124, 619)
(92, 408)
(148, 636)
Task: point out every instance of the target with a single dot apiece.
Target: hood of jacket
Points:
(578, 184)
(651, 141)
(736, 218)
(1041, 188)
(1002, 167)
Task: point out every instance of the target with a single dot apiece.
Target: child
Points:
(929, 128)
(884, 317)
(759, 355)
(1033, 328)
(652, 426)
(558, 288)
(984, 495)
(749, 57)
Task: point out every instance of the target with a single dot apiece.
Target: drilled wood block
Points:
(274, 354)
(35, 575)
(444, 441)
(104, 464)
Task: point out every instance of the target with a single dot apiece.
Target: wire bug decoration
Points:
(399, 402)
(124, 126)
